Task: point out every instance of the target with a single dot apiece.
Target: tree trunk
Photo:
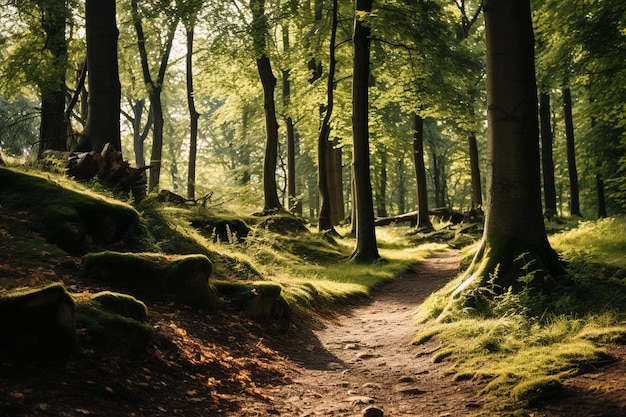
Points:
(547, 163)
(366, 248)
(401, 187)
(514, 233)
(336, 182)
(103, 116)
(53, 130)
(381, 201)
(293, 204)
(423, 218)
(193, 118)
(571, 153)
(324, 147)
(268, 80)
(600, 194)
(154, 87)
(477, 194)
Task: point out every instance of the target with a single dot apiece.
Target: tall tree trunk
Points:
(103, 116)
(571, 153)
(268, 80)
(423, 218)
(547, 162)
(514, 232)
(600, 194)
(193, 117)
(401, 186)
(336, 178)
(366, 248)
(54, 127)
(381, 201)
(292, 199)
(154, 87)
(477, 193)
(323, 145)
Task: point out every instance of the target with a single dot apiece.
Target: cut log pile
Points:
(107, 165)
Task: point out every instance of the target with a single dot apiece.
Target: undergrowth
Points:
(522, 345)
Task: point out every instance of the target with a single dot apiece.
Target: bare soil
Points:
(226, 365)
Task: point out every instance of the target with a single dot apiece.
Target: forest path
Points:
(364, 358)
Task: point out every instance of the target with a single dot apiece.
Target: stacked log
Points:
(107, 165)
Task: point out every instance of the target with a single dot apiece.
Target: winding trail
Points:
(364, 358)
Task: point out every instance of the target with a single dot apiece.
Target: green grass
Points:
(523, 353)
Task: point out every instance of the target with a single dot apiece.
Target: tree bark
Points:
(103, 116)
(366, 248)
(574, 207)
(423, 219)
(381, 200)
(336, 183)
(477, 193)
(193, 117)
(547, 162)
(324, 148)
(54, 127)
(293, 204)
(514, 234)
(268, 80)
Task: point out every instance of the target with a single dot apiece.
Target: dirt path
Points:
(364, 358)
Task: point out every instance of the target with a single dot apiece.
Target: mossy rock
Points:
(38, 323)
(282, 222)
(123, 304)
(113, 332)
(182, 278)
(258, 300)
(67, 218)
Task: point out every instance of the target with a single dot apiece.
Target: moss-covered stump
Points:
(181, 278)
(38, 323)
(258, 300)
(114, 322)
(282, 222)
(67, 218)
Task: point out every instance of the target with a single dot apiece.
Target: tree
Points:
(514, 234)
(547, 162)
(423, 218)
(260, 29)
(323, 180)
(366, 248)
(103, 116)
(154, 87)
(189, 11)
(574, 205)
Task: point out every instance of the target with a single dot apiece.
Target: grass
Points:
(522, 356)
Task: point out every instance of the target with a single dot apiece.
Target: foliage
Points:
(524, 344)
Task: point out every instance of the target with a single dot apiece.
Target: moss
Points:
(112, 332)
(182, 278)
(258, 300)
(122, 304)
(68, 218)
(38, 322)
(540, 388)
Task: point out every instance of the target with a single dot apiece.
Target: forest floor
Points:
(226, 365)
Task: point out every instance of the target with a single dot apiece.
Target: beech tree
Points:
(366, 247)
(514, 234)
(325, 221)
(103, 116)
(260, 29)
(154, 85)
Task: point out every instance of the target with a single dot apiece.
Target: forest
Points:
(220, 207)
